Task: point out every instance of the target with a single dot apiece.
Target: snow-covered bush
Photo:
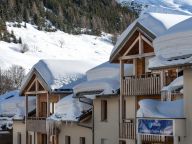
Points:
(24, 48)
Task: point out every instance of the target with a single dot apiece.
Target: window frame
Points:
(82, 140)
(104, 110)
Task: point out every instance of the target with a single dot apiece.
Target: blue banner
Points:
(156, 127)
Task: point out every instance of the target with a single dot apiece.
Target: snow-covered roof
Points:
(12, 107)
(104, 77)
(61, 74)
(155, 23)
(12, 104)
(69, 109)
(161, 109)
(174, 47)
(177, 83)
(107, 86)
(107, 70)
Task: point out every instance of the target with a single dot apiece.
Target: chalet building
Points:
(72, 120)
(135, 46)
(102, 88)
(174, 51)
(90, 114)
(48, 81)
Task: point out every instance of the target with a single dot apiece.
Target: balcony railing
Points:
(171, 96)
(153, 139)
(142, 85)
(36, 124)
(128, 131)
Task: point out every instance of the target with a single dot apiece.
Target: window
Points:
(122, 142)
(103, 141)
(52, 107)
(44, 139)
(18, 138)
(67, 140)
(103, 110)
(82, 140)
(44, 109)
(30, 139)
(124, 109)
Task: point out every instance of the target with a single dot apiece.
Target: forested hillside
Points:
(68, 15)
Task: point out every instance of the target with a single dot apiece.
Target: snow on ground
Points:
(161, 109)
(53, 45)
(12, 106)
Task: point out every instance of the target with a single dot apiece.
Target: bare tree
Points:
(16, 74)
(61, 43)
(11, 79)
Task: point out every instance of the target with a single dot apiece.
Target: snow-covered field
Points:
(53, 45)
(183, 6)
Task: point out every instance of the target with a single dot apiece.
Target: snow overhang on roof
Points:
(59, 76)
(69, 109)
(151, 24)
(174, 48)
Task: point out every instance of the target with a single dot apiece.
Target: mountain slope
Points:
(52, 45)
(69, 15)
(182, 6)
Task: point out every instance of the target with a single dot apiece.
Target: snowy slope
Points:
(177, 5)
(53, 45)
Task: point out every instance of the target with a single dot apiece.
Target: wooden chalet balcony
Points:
(128, 131)
(143, 85)
(36, 124)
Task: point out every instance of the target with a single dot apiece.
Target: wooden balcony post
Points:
(37, 98)
(48, 105)
(37, 105)
(121, 91)
(26, 117)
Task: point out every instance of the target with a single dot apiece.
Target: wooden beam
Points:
(26, 117)
(140, 44)
(146, 40)
(121, 91)
(31, 84)
(132, 45)
(36, 85)
(34, 92)
(134, 66)
(48, 105)
(137, 56)
(37, 105)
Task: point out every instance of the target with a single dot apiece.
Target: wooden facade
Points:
(144, 84)
(45, 106)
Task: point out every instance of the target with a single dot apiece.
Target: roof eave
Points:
(171, 66)
(136, 26)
